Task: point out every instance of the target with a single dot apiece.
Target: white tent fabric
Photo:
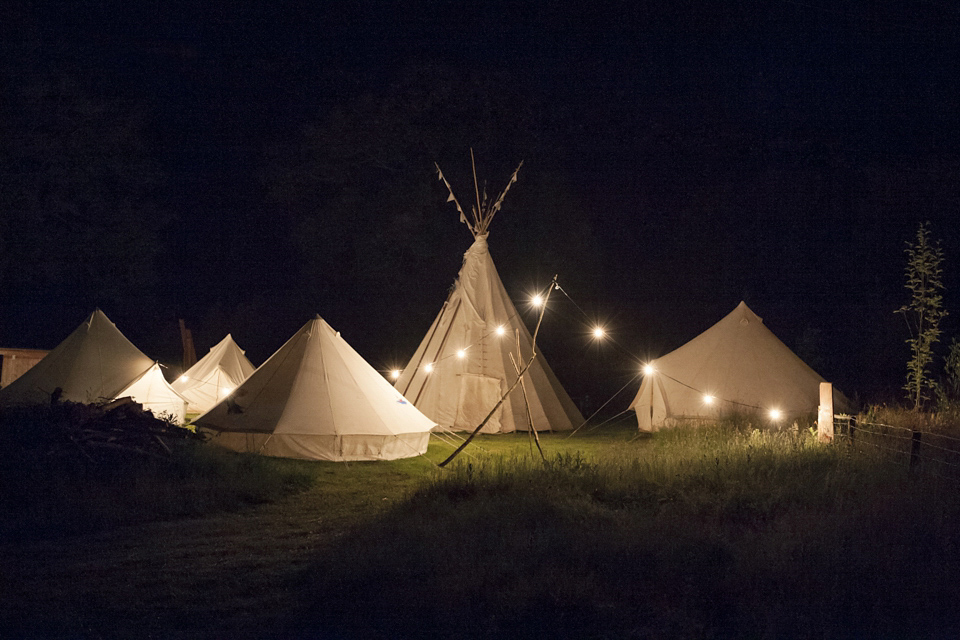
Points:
(156, 395)
(736, 366)
(214, 377)
(93, 363)
(463, 366)
(317, 398)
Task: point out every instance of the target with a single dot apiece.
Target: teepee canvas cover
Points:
(214, 377)
(735, 366)
(317, 398)
(155, 394)
(462, 366)
(93, 363)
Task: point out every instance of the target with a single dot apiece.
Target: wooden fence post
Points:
(189, 353)
(852, 428)
(915, 450)
(825, 413)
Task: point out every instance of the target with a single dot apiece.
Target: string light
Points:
(598, 333)
(500, 330)
(184, 378)
(226, 390)
(649, 369)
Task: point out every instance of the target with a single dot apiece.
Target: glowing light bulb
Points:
(537, 300)
(226, 390)
(501, 330)
(598, 332)
(395, 374)
(184, 378)
(461, 354)
(648, 369)
(708, 399)
(428, 367)
(775, 414)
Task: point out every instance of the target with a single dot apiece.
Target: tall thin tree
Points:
(923, 313)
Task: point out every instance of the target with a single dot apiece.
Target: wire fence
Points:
(922, 452)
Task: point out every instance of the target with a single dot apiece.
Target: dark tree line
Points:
(246, 175)
(368, 216)
(81, 197)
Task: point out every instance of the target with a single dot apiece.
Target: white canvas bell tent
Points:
(214, 377)
(156, 395)
(736, 366)
(93, 363)
(463, 365)
(316, 398)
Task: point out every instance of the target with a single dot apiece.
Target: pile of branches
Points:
(93, 433)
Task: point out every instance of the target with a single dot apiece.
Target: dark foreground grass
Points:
(47, 497)
(711, 533)
(224, 574)
(695, 533)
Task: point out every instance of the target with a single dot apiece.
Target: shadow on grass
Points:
(698, 533)
(44, 496)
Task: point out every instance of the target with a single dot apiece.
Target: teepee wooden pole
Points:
(487, 419)
(453, 198)
(543, 310)
(533, 435)
(496, 205)
(526, 401)
(533, 356)
(481, 227)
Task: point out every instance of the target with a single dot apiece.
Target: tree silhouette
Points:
(923, 313)
(368, 163)
(79, 193)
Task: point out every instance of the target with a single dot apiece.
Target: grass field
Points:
(717, 533)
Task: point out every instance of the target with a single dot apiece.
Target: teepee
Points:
(736, 366)
(156, 395)
(473, 350)
(316, 398)
(214, 377)
(93, 363)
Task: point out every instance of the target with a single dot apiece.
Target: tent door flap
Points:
(478, 394)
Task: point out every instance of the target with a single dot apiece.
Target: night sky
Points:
(245, 165)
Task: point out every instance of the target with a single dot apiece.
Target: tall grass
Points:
(712, 532)
(945, 420)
